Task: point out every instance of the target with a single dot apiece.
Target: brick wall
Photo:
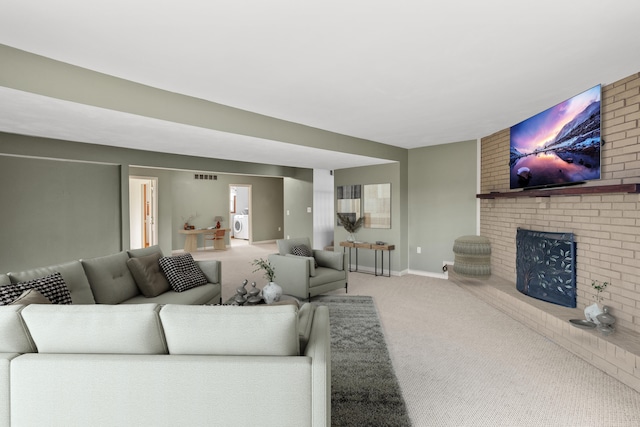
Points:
(606, 226)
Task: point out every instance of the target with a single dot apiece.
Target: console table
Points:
(191, 238)
(375, 248)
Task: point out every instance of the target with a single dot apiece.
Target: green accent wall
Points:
(56, 211)
(91, 203)
(442, 202)
(298, 197)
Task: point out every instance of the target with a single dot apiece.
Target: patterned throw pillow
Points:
(182, 272)
(51, 287)
(303, 250)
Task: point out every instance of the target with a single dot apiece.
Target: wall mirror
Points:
(349, 201)
(377, 205)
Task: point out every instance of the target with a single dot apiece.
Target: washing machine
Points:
(241, 227)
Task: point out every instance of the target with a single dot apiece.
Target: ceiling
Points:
(409, 73)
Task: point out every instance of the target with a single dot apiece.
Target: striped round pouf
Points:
(472, 256)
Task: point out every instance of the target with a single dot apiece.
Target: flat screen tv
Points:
(559, 146)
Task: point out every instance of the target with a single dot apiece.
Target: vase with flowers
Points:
(591, 312)
(350, 224)
(271, 292)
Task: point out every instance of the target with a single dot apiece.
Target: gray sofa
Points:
(108, 280)
(147, 364)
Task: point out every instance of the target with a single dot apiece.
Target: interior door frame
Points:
(138, 210)
(231, 214)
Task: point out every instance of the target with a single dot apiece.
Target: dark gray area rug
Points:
(364, 387)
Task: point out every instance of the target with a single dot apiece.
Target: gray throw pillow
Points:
(149, 278)
(31, 296)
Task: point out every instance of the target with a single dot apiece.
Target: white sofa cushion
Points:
(14, 337)
(62, 390)
(104, 329)
(231, 330)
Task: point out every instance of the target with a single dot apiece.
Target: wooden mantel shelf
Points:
(566, 191)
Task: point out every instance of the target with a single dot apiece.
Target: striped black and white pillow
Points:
(52, 287)
(182, 272)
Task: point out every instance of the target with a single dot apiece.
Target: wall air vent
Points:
(206, 177)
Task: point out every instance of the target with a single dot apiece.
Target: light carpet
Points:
(364, 388)
(461, 362)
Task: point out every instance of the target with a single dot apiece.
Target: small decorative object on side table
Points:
(271, 292)
(606, 321)
(241, 292)
(592, 311)
(254, 295)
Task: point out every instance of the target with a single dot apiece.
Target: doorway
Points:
(240, 214)
(143, 211)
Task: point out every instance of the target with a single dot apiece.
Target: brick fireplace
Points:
(606, 225)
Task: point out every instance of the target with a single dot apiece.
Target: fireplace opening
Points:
(545, 266)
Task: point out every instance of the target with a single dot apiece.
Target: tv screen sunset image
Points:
(559, 146)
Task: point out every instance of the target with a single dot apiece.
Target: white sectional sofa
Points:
(171, 365)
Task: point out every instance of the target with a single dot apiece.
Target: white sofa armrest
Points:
(319, 350)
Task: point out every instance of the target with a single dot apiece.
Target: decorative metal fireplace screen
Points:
(545, 266)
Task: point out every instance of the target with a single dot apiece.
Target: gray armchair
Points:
(299, 276)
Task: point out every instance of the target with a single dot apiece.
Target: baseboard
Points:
(370, 270)
(262, 242)
(446, 265)
(428, 274)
